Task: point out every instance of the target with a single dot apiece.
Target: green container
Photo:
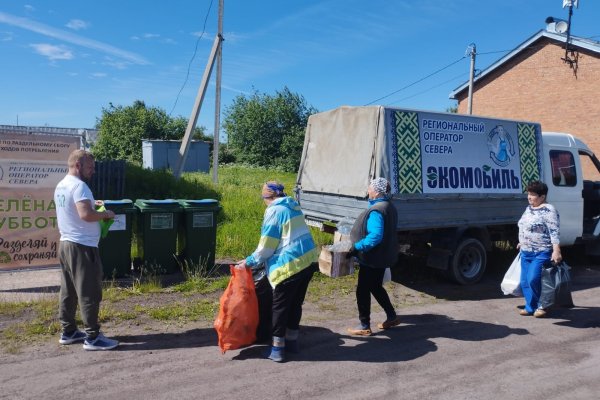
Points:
(198, 236)
(115, 248)
(157, 234)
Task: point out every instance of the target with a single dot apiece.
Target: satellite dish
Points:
(561, 26)
(556, 25)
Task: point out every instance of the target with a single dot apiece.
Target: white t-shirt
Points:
(72, 228)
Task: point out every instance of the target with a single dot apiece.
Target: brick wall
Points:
(537, 85)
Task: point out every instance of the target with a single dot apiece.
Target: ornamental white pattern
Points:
(539, 228)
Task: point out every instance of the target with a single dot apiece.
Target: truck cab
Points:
(572, 173)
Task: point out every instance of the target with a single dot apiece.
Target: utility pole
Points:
(185, 142)
(215, 173)
(472, 51)
(570, 4)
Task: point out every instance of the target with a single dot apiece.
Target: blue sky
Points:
(63, 61)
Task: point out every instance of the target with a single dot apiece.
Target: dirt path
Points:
(468, 344)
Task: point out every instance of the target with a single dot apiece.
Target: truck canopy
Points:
(339, 150)
(439, 161)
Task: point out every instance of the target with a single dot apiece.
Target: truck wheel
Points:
(467, 265)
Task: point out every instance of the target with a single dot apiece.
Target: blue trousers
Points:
(531, 276)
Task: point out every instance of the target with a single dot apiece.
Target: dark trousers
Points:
(288, 297)
(81, 283)
(370, 282)
(264, 294)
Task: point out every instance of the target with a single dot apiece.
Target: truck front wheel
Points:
(467, 265)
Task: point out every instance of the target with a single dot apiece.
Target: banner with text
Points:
(30, 167)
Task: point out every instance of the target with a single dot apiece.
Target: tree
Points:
(121, 130)
(268, 131)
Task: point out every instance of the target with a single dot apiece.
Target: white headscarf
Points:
(379, 185)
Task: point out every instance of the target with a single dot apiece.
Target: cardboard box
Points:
(338, 237)
(335, 264)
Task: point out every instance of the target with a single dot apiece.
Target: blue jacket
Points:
(286, 245)
(374, 230)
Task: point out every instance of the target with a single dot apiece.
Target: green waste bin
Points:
(115, 248)
(157, 234)
(198, 236)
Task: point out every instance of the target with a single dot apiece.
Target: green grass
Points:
(201, 285)
(12, 309)
(41, 321)
(239, 188)
(323, 286)
(184, 312)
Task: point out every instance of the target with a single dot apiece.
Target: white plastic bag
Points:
(511, 284)
(345, 226)
(387, 275)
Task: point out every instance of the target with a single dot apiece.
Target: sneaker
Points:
(524, 312)
(100, 343)
(277, 354)
(388, 323)
(539, 313)
(75, 336)
(360, 331)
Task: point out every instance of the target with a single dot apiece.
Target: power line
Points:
(427, 90)
(415, 82)
(187, 75)
(447, 66)
(494, 52)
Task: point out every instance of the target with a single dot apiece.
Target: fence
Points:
(109, 180)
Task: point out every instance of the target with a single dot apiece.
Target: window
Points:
(563, 168)
(589, 167)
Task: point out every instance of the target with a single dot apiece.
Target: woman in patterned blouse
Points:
(539, 242)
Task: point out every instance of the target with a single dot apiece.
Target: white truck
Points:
(458, 181)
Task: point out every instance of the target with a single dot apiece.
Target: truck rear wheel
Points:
(467, 265)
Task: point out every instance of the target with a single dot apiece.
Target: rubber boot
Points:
(277, 349)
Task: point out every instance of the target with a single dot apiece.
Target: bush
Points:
(141, 183)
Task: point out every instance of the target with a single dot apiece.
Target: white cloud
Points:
(69, 37)
(6, 36)
(116, 64)
(77, 24)
(204, 35)
(151, 35)
(29, 7)
(99, 75)
(53, 52)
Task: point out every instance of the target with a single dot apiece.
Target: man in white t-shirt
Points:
(81, 280)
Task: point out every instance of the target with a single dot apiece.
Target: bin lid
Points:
(199, 204)
(123, 202)
(124, 205)
(167, 205)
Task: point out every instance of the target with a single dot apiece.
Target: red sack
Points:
(238, 314)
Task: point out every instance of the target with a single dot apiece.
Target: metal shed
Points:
(159, 154)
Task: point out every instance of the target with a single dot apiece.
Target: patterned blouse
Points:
(539, 228)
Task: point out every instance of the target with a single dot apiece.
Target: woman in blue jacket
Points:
(287, 248)
(376, 247)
